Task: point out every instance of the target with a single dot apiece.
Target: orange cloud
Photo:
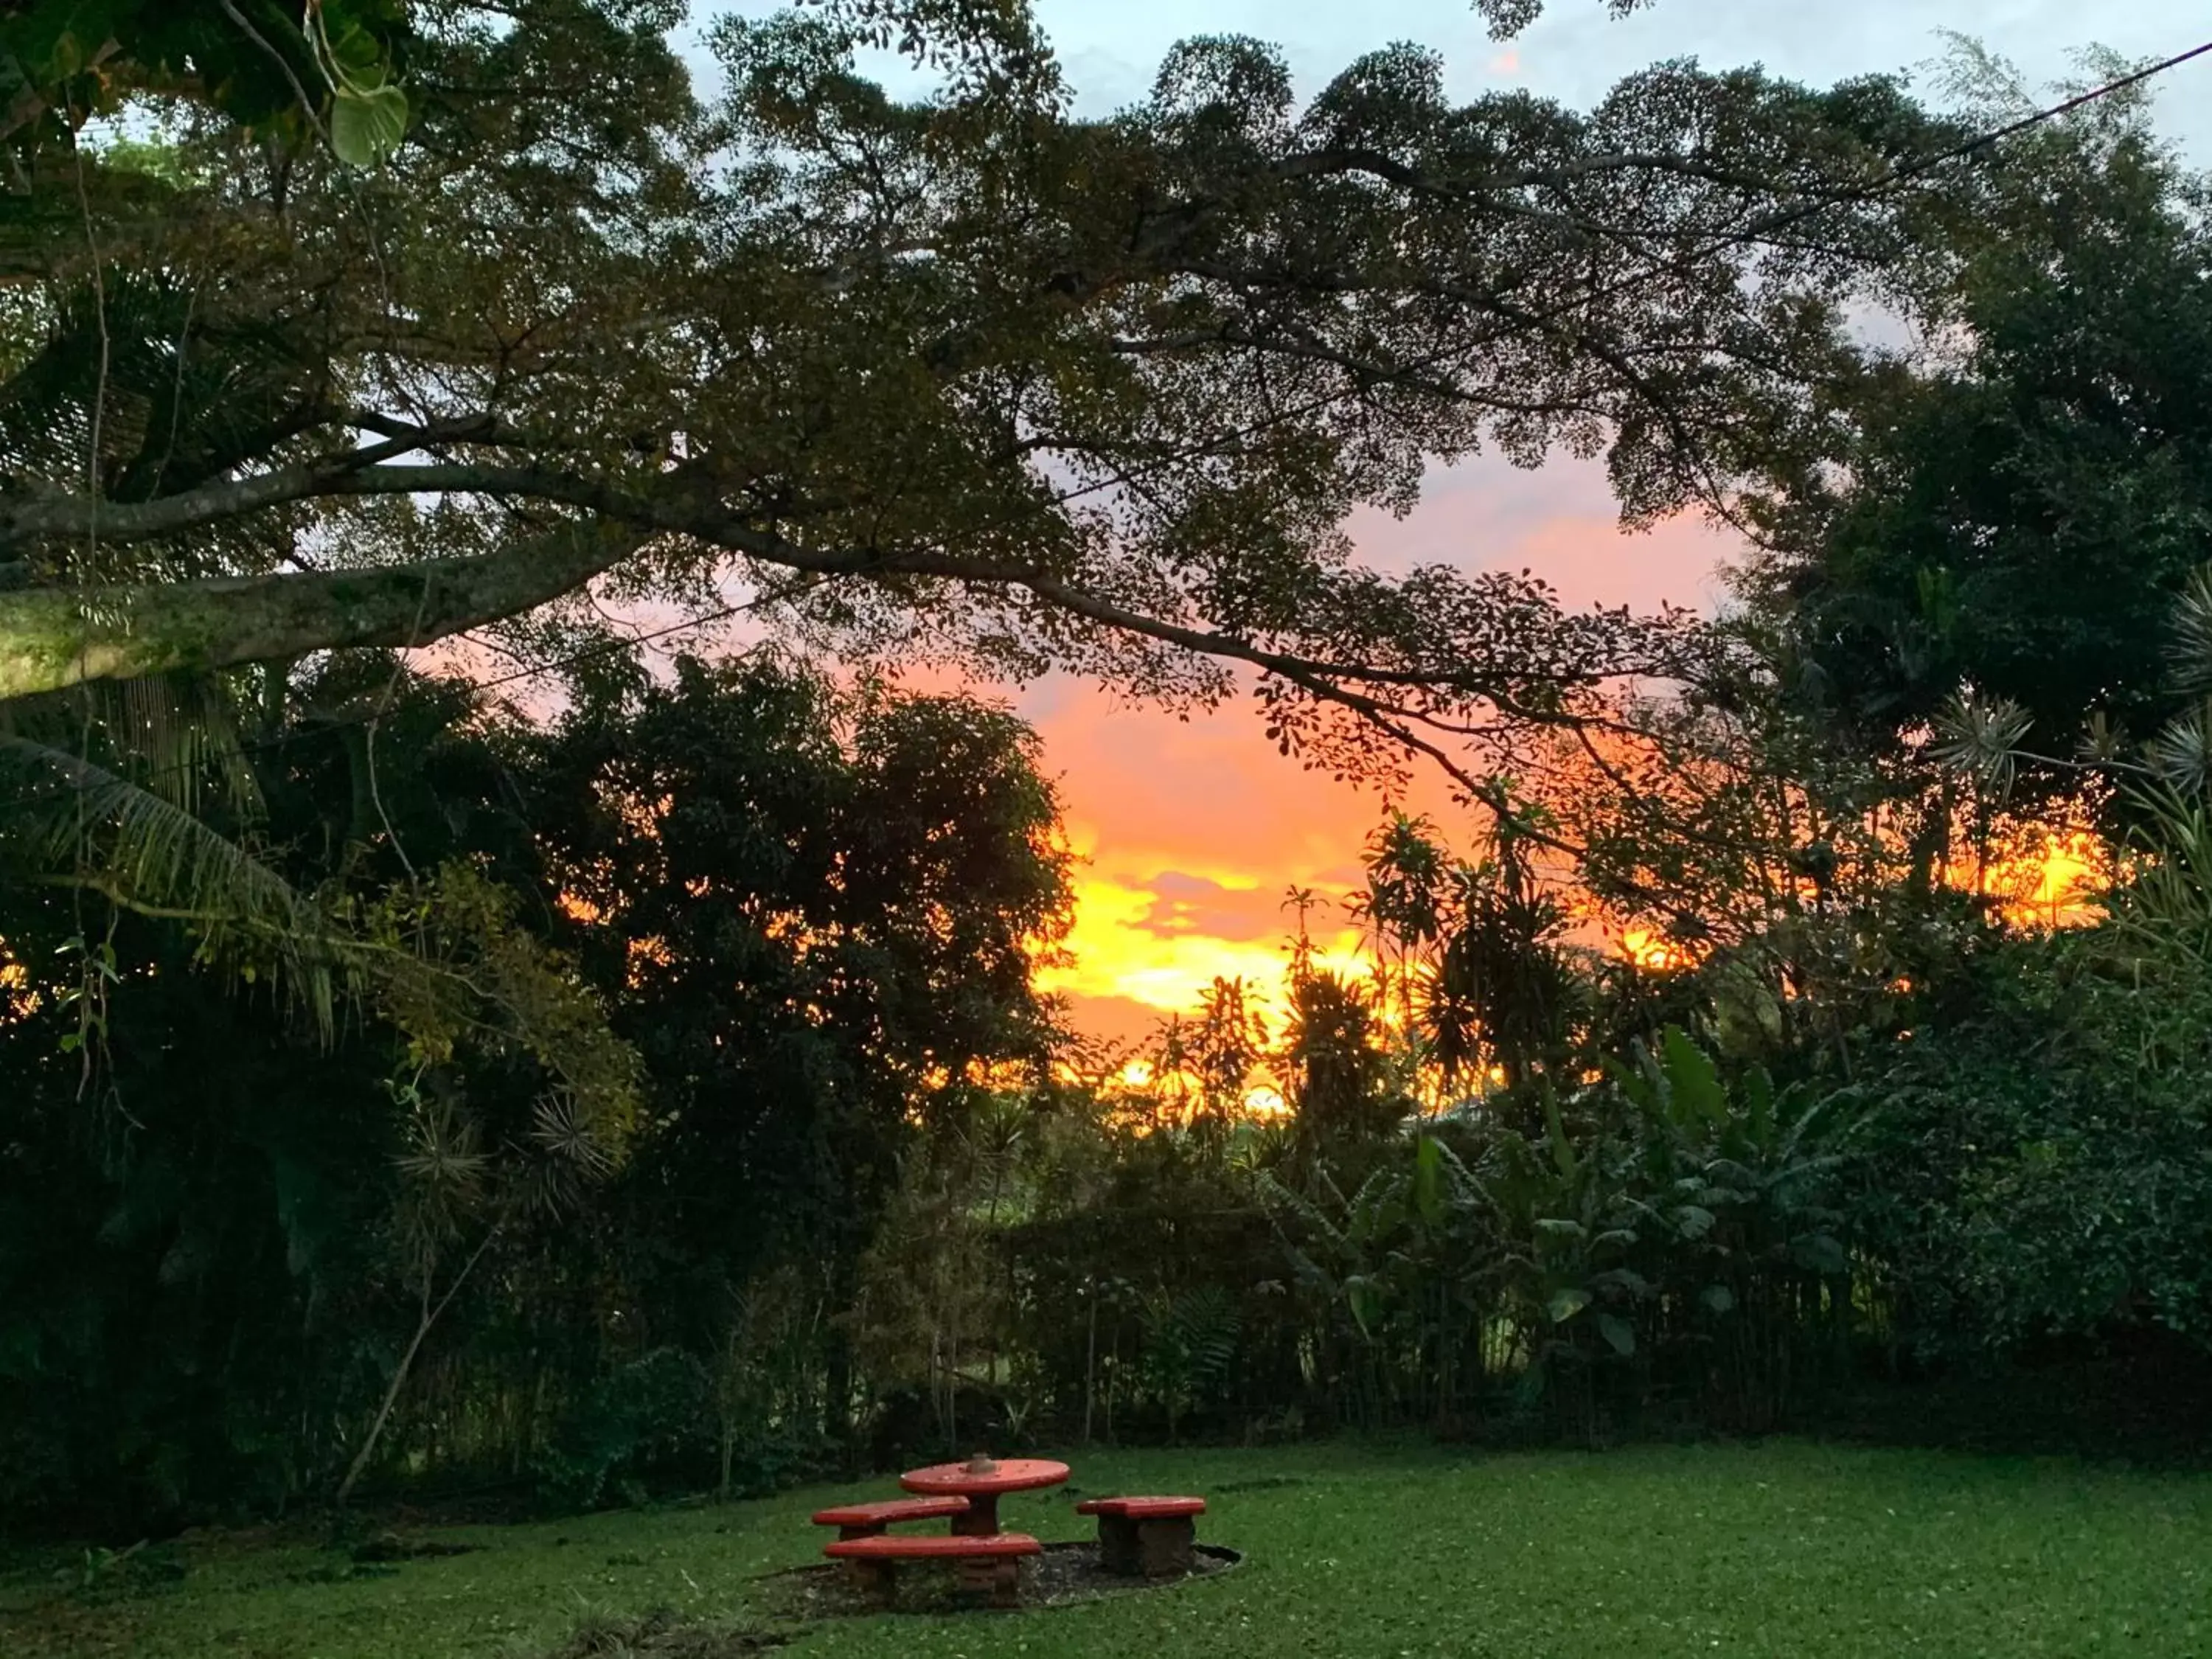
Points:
(1148, 941)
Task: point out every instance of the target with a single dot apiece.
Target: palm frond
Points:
(2167, 901)
(80, 822)
(180, 729)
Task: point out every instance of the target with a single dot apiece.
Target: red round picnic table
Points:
(981, 1487)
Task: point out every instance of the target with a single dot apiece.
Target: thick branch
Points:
(29, 519)
(48, 640)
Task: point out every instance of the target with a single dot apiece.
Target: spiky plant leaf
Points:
(2103, 740)
(2181, 753)
(2189, 644)
(2166, 902)
(1448, 1009)
(1981, 735)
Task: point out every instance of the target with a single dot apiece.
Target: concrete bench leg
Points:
(996, 1578)
(877, 1580)
(1164, 1545)
(1118, 1551)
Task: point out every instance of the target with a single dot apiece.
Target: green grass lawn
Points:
(1782, 1549)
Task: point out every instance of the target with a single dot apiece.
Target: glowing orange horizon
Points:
(2061, 885)
(1112, 952)
(1117, 951)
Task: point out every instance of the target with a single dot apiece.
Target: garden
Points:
(545, 550)
(1780, 1549)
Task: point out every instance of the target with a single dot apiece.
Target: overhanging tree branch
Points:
(51, 638)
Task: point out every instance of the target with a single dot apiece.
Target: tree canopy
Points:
(962, 374)
(328, 67)
(809, 915)
(680, 1095)
(2022, 499)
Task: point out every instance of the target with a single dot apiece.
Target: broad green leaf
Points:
(62, 41)
(1693, 1221)
(360, 55)
(368, 126)
(1821, 1254)
(1428, 1179)
(1530, 1388)
(1365, 1303)
(19, 1351)
(1558, 1228)
(1555, 1131)
(1758, 1092)
(1619, 1335)
(1716, 1298)
(1693, 1078)
(1566, 1305)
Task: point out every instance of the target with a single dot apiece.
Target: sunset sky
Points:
(1192, 831)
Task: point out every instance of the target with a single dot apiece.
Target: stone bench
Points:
(869, 1520)
(989, 1564)
(1149, 1535)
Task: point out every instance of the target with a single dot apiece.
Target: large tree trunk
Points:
(52, 637)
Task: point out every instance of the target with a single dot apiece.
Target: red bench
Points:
(1149, 1535)
(869, 1520)
(991, 1564)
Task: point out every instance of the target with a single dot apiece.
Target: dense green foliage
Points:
(255, 60)
(1018, 390)
(1663, 1246)
(2021, 507)
(218, 1237)
(2038, 1159)
(1868, 1121)
(1780, 1552)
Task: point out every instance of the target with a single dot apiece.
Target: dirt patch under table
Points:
(1065, 1572)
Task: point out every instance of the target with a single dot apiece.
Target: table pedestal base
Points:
(981, 1519)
